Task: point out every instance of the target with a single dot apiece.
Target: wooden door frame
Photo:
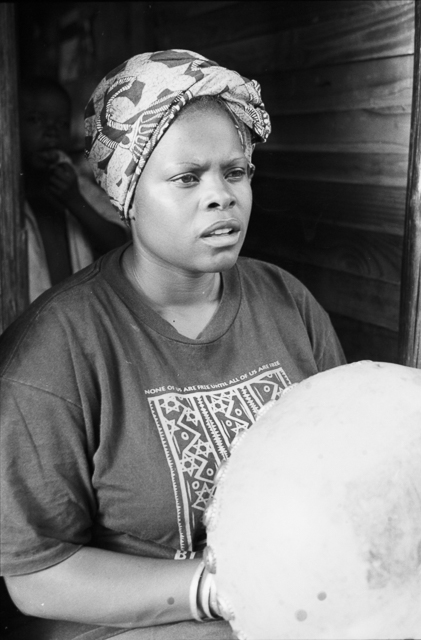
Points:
(13, 252)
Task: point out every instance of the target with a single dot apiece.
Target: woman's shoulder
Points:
(275, 286)
(50, 320)
(271, 274)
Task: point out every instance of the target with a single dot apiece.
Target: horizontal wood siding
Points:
(263, 36)
(361, 206)
(379, 83)
(368, 30)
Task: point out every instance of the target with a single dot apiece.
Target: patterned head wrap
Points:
(134, 105)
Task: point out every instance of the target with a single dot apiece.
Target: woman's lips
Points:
(223, 233)
(221, 228)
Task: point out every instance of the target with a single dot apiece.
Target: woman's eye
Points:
(188, 178)
(236, 174)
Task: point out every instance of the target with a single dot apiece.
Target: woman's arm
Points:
(100, 587)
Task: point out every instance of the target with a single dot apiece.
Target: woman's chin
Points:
(224, 262)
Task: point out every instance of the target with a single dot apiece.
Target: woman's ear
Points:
(250, 170)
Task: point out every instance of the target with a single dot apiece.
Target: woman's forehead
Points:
(198, 135)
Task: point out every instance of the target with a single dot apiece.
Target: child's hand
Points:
(63, 183)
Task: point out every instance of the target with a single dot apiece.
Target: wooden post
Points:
(410, 309)
(13, 255)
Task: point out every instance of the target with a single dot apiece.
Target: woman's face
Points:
(193, 200)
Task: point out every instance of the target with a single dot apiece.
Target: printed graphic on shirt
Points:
(197, 426)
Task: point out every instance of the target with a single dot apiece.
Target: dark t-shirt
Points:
(114, 423)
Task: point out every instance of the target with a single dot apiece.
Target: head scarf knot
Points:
(135, 103)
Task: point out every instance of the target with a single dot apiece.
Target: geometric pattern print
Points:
(197, 429)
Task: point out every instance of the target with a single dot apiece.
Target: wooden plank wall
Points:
(329, 192)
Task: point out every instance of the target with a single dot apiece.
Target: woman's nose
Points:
(220, 195)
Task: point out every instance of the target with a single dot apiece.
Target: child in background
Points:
(68, 219)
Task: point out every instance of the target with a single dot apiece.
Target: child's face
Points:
(193, 200)
(44, 127)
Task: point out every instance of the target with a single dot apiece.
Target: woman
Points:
(125, 388)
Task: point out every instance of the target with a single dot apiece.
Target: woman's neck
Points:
(186, 301)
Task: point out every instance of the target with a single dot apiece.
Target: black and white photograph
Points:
(210, 320)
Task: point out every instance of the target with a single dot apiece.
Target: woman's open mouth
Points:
(223, 232)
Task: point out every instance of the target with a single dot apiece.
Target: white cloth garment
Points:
(80, 252)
